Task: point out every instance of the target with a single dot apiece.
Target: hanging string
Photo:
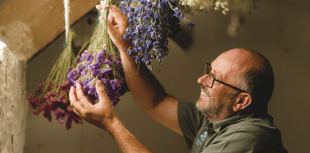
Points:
(103, 4)
(67, 10)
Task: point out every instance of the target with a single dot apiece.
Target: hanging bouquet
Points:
(206, 5)
(150, 22)
(224, 5)
(52, 94)
(100, 61)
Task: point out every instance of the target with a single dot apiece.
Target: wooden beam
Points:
(27, 26)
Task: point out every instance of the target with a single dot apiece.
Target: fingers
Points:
(81, 98)
(77, 113)
(117, 24)
(73, 102)
(99, 7)
(79, 91)
(116, 15)
(111, 29)
(101, 91)
(101, 19)
(72, 96)
(115, 10)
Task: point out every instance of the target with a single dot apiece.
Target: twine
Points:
(103, 4)
(67, 10)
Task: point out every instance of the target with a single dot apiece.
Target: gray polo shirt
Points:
(249, 133)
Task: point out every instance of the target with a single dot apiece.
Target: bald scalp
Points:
(246, 59)
(255, 76)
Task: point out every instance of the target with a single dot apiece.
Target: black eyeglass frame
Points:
(207, 71)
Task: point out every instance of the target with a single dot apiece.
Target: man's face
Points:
(217, 102)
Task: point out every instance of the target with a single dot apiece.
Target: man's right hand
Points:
(117, 24)
(144, 87)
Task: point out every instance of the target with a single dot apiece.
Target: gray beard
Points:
(213, 113)
(205, 110)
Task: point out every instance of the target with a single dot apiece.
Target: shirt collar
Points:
(236, 118)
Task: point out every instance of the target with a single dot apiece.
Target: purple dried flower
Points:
(128, 52)
(137, 59)
(89, 57)
(77, 60)
(95, 72)
(95, 66)
(63, 120)
(150, 67)
(156, 16)
(34, 102)
(191, 24)
(50, 94)
(113, 83)
(58, 114)
(103, 80)
(159, 6)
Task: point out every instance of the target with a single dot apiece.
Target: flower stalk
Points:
(100, 61)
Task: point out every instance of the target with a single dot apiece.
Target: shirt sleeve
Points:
(234, 142)
(190, 120)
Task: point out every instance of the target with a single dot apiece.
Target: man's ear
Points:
(243, 101)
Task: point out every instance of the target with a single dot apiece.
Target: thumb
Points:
(101, 91)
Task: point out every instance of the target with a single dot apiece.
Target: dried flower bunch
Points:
(150, 22)
(205, 5)
(99, 65)
(52, 94)
(100, 61)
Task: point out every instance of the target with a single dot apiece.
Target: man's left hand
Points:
(101, 114)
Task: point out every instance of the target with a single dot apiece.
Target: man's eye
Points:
(214, 76)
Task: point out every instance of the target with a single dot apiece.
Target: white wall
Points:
(13, 103)
(278, 29)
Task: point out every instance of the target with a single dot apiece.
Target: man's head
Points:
(243, 69)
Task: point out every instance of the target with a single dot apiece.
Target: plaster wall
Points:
(278, 29)
(13, 103)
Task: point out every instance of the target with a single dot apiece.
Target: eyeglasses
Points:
(211, 79)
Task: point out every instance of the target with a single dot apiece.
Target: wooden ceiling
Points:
(27, 26)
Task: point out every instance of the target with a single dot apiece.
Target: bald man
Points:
(229, 117)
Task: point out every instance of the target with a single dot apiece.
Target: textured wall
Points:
(13, 104)
(278, 29)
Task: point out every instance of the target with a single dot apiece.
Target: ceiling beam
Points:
(27, 26)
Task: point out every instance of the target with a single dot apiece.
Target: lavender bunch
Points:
(150, 22)
(100, 61)
(99, 65)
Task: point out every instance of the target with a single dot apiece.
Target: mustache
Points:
(205, 90)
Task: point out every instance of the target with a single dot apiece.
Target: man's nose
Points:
(202, 80)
